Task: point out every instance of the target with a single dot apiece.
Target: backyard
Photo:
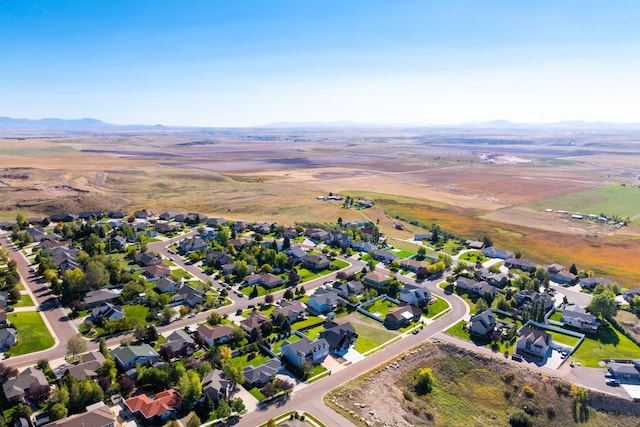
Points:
(370, 337)
(608, 343)
(380, 307)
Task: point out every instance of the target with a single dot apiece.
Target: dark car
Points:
(517, 357)
(613, 382)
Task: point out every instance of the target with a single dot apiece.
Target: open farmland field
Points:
(609, 200)
(470, 181)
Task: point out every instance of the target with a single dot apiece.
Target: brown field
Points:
(472, 182)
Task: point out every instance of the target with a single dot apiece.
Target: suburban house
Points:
(98, 297)
(118, 243)
(315, 262)
(474, 244)
(298, 352)
(107, 311)
(422, 236)
(296, 252)
(127, 357)
(534, 341)
(143, 214)
(528, 296)
(267, 280)
(255, 319)
(352, 287)
(15, 388)
(169, 215)
(215, 335)
(414, 295)
(375, 278)
(262, 228)
(402, 316)
(189, 296)
(91, 364)
(339, 337)
(8, 338)
(258, 376)
(217, 386)
(218, 258)
(316, 234)
(180, 343)
(499, 280)
(590, 283)
(493, 252)
(193, 245)
(363, 246)
(385, 256)
(323, 301)
(161, 408)
(482, 324)
(413, 265)
(88, 215)
(339, 240)
(292, 310)
(577, 317)
(520, 264)
(157, 271)
(213, 222)
(290, 233)
(474, 287)
(145, 259)
(626, 370)
(96, 415)
(562, 277)
(3, 317)
(166, 284)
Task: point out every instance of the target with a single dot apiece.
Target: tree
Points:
(603, 305)
(76, 345)
(214, 318)
(190, 386)
(424, 381)
(271, 423)
(167, 313)
(21, 411)
(481, 305)
(223, 410)
(285, 327)
(103, 347)
(38, 393)
(126, 385)
(520, 419)
(254, 292)
(95, 275)
(573, 269)
(487, 242)
(234, 373)
(57, 411)
(269, 299)
(108, 369)
(288, 294)
(237, 405)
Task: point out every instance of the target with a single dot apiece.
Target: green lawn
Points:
(314, 332)
(403, 253)
(473, 257)
(457, 331)
(278, 344)
(437, 307)
(249, 359)
(609, 343)
(310, 320)
(33, 334)
(557, 316)
(255, 392)
(370, 337)
(380, 307)
(25, 301)
(137, 311)
(261, 290)
(317, 370)
(563, 338)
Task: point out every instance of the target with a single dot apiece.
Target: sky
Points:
(249, 63)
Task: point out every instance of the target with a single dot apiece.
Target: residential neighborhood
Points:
(178, 316)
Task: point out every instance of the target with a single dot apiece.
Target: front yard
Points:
(437, 307)
(473, 257)
(24, 301)
(33, 334)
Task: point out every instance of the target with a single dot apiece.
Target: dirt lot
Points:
(469, 390)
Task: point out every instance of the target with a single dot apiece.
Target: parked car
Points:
(517, 357)
(613, 382)
(608, 375)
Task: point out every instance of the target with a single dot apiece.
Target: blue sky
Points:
(245, 63)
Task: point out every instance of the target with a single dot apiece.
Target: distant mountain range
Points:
(8, 123)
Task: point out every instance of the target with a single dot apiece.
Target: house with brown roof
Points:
(160, 408)
(255, 319)
(315, 262)
(145, 259)
(215, 335)
(402, 316)
(292, 310)
(413, 265)
(520, 264)
(267, 280)
(375, 278)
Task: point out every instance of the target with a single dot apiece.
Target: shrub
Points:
(551, 411)
(520, 419)
(528, 391)
(508, 377)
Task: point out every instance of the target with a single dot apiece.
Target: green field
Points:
(370, 338)
(473, 257)
(381, 307)
(609, 200)
(33, 334)
(138, 311)
(24, 301)
(608, 343)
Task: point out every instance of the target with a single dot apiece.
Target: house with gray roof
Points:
(298, 352)
(180, 343)
(352, 287)
(414, 295)
(8, 338)
(98, 297)
(323, 301)
(625, 370)
(166, 284)
(534, 341)
(482, 324)
(258, 376)
(190, 296)
(91, 364)
(107, 311)
(340, 337)
(590, 283)
(217, 386)
(493, 252)
(97, 415)
(127, 357)
(577, 317)
(16, 388)
(520, 264)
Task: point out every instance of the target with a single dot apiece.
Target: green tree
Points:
(189, 386)
(254, 292)
(57, 411)
(234, 373)
(194, 421)
(76, 345)
(603, 305)
(424, 381)
(481, 305)
(108, 369)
